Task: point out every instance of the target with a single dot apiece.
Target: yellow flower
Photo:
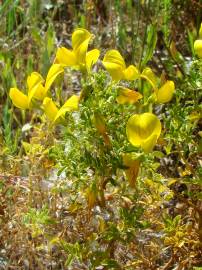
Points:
(127, 96)
(165, 93)
(53, 113)
(115, 65)
(78, 57)
(198, 44)
(198, 47)
(143, 130)
(35, 86)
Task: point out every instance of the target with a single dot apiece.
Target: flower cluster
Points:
(143, 130)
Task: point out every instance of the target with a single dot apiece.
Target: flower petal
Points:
(71, 104)
(19, 99)
(40, 92)
(34, 79)
(65, 57)
(81, 52)
(79, 36)
(50, 108)
(131, 73)
(53, 72)
(141, 127)
(35, 88)
(128, 96)
(200, 31)
(165, 93)
(114, 70)
(149, 144)
(91, 58)
(198, 48)
(149, 75)
(114, 56)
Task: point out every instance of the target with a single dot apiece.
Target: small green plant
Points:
(101, 155)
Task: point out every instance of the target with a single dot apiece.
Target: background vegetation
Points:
(65, 201)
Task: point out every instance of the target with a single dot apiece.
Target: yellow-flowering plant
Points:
(37, 87)
(102, 132)
(84, 156)
(78, 57)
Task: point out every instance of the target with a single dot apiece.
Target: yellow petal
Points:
(114, 56)
(82, 51)
(114, 70)
(71, 104)
(149, 75)
(40, 92)
(19, 99)
(132, 170)
(148, 145)
(35, 88)
(198, 48)
(79, 36)
(141, 127)
(53, 72)
(34, 79)
(50, 108)
(65, 57)
(128, 96)
(200, 31)
(91, 58)
(131, 73)
(165, 93)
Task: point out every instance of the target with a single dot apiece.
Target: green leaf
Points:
(69, 260)
(191, 41)
(151, 44)
(50, 39)
(111, 263)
